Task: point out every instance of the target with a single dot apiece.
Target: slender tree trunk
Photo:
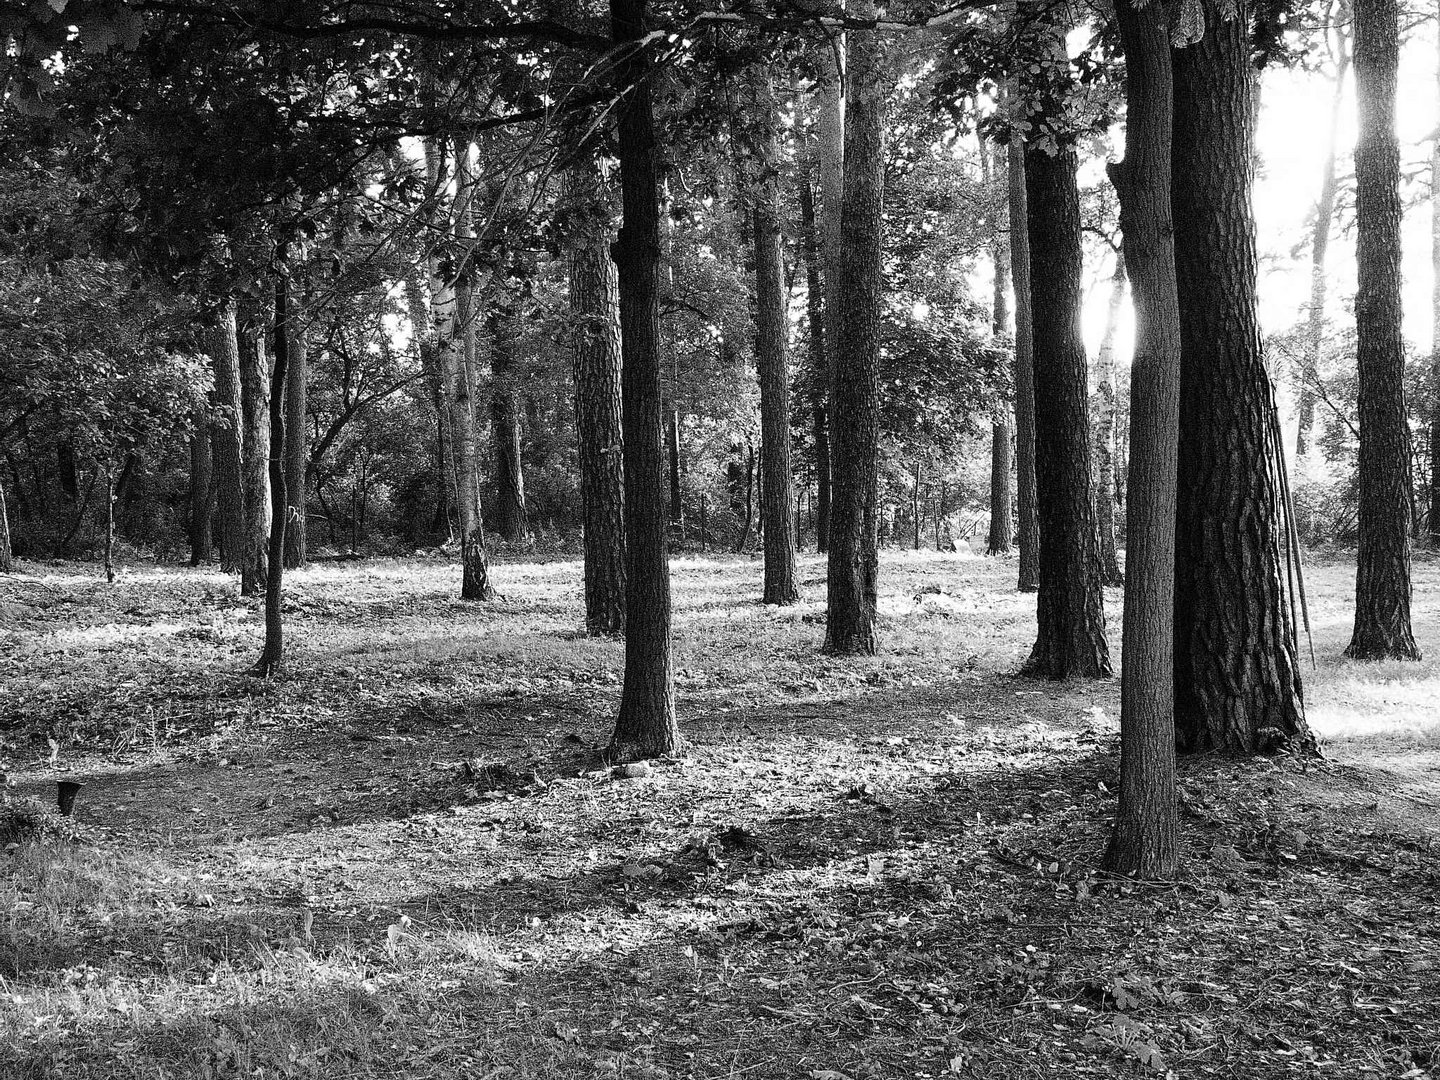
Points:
(273, 652)
(915, 506)
(818, 377)
(226, 437)
(1237, 683)
(109, 522)
(1001, 538)
(297, 446)
(1319, 245)
(512, 518)
(1434, 515)
(595, 349)
(672, 453)
(830, 174)
(1069, 610)
(202, 488)
(1104, 447)
(7, 558)
(748, 506)
(771, 363)
(429, 364)
(1025, 483)
(1144, 841)
(255, 443)
(645, 726)
(1382, 583)
(851, 579)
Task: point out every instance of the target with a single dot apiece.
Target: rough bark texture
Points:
(226, 437)
(645, 726)
(818, 382)
(777, 489)
(1069, 608)
(595, 352)
(1104, 448)
(512, 519)
(444, 454)
(297, 445)
(1028, 520)
(253, 321)
(1382, 582)
(7, 559)
(854, 388)
(274, 651)
(830, 172)
(1001, 538)
(1237, 683)
(201, 490)
(1144, 840)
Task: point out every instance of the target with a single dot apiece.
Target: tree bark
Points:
(1025, 483)
(853, 566)
(201, 489)
(512, 518)
(595, 350)
(1001, 538)
(297, 446)
(818, 377)
(1069, 609)
(1382, 583)
(645, 725)
(676, 502)
(252, 318)
(226, 437)
(434, 377)
(1237, 683)
(273, 651)
(1144, 840)
(1104, 447)
(7, 558)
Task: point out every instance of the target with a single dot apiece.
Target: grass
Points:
(881, 867)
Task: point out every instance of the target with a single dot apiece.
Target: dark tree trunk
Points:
(1144, 841)
(109, 522)
(1025, 485)
(818, 377)
(1001, 538)
(1069, 609)
(7, 558)
(297, 446)
(672, 454)
(1237, 683)
(1105, 423)
(255, 442)
(1382, 584)
(273, 652)
(851, 578)
(512, 519)
(645, 726)
(595, 350)
(226, 439)
(201, 490)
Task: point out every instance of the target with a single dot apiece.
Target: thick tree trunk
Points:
(818, 377)
(1319, 245)
(1144, 841)
(1069, 610)
(1001, 537)
(1237, 683)
(227, 438)
(512, 519)
(595, 351)
(771, 363)
(253, 320)
(273, 651)
(645, 726)
(851, 579)
(297, 446)
(1104, 447)
(201, 489)
(1025, 485)
(1382, 583)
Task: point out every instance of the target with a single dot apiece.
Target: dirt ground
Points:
(405, 858)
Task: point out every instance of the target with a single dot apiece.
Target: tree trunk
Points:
(7, 558)
(1382, 583)
(1144, 841)
(676, 502)
(1237, 683)
(429, 364)
(1069, 609)
(273, 651)
(226, 437)
(1025, 484)
(1434, 515)
(297, 446)
(772, 366)
(595, 350)
(851, 579)
(109, 522)
(1002, 522)
(818, 380)
(1104, 447)
(255, 443)
(512, 519)
(645, 725)
(201, 489)
(915, 506)
(1319, 244)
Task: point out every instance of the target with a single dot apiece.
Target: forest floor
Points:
(874, 868)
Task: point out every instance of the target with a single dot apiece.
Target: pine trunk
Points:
(830, 172)
(1070, 606)
(512, 519)
(201, 489)
(1001, 538)
(645, 726)
(227, 438)
(851, 579)
(1382, 583)
(818, 381)
(434, 378)
(274, 651)
(1104, 448)
(297, 446)
(1237, 683)
(1028, 519)
(252, 322)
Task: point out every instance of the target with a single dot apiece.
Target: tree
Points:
(202, 490)
(1104, 448)
(830, 173)
(854, 387)
(1028, 522)
(1382, 582)
(226, 438)
(273, 651)
(817, 377)
(1237, 682)
(1434, 515)
(1002, 524)
(645, 726)
(512, 520)
(7, 559)
(251, 321)
(297, 446)
(1144, 841)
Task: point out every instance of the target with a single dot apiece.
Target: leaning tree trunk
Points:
(1002, 521)
(777, 491)
(851, 578)
(201, 488)
(595, 351)
(297, 446)
(1144, 841)
(1025, 489)
(818, 377)
(1382, 583)
(274, 650)
(255, 442)
(1105, 423)
(1237, 683)
(226, 437)
(645, 725)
